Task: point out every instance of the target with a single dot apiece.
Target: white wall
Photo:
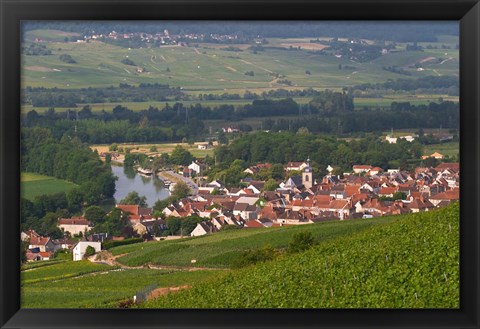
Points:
(81, 247)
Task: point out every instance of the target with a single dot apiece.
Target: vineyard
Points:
(221, 249)
(411, 263)
(105, 288)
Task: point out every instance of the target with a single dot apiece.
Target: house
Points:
(204, 228)
(375, 171)
(294, 182)
(256, 168)
(256, 186)
(435, 155)
(298, 166)
(197, 166)
(81, 247)
(36, 255)
(74, 225)
(441, 167)
(357, 169)
(64, 243)
(447, 196)
(418, 205)
(44, 244)
(245, 210)
(387, 191)
(230, 130)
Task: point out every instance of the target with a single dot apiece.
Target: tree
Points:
(173, 225)
(188, 224)
(95, 214)
(399, 196)
(277, 171)
(222, 138)
(90, 251)
(270, 185)
(181, 156)
(134, 198)
(180, 190)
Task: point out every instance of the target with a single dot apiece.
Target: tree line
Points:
(283, 147)
(65, 158)
(57, 97)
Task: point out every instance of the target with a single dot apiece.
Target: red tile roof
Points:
(447, 195)
(39, 241)
(133, 209)
(446, 165)
(73, 221)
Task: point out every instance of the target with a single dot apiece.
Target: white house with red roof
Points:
(74, 225)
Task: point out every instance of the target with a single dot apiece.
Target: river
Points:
(129, 180)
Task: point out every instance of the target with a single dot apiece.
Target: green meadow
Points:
(33, 185)
(450, 149)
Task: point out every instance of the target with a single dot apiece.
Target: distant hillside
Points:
(393, 31)
(410, 262)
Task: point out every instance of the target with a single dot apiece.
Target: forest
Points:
(330, 113)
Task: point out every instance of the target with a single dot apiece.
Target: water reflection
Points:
(129, 180)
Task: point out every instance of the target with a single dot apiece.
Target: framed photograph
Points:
(239, 164)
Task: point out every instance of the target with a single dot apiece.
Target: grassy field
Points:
(413, 262)
(101, 289)
(207, 68)
(161, 148)
(450, 149)
(33, 185)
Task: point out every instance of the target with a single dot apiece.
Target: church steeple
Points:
(307, 175)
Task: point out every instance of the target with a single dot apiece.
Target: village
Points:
(302, 198)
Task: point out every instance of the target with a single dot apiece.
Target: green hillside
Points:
(222, 248)
(413, 262)
(213, 68)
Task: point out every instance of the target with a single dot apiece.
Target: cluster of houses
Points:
(43, 248)
(301, 199)
(166, 38)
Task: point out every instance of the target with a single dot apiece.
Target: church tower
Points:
(307, 175)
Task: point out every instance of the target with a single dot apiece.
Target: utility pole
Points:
(76, 121)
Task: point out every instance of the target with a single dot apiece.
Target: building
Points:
(81, 247)
(307, 175)
(74, 225)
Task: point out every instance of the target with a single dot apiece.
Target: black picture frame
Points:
(467, 12)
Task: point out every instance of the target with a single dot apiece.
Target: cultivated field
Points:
(33, 185)
(204, 68)
(106, 287)
(413, 262)
(161, 148)
(352, 265)
(449, 149)
(220, 249)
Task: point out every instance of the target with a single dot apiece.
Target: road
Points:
(189, 182)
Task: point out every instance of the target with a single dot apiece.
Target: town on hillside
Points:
(300, 199)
